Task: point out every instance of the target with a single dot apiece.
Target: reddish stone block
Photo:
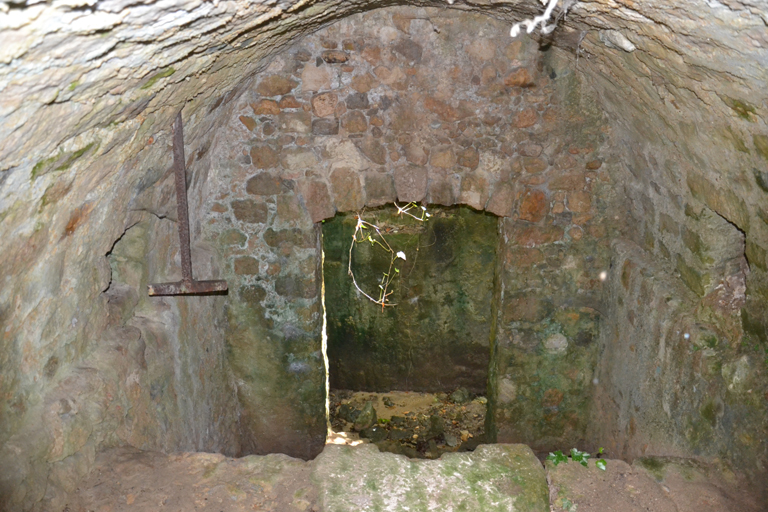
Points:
(354, 122)
(535, 165)
(579, 201)
(519, 78)
(532, 236)
(568, 181)
(264, 157)
(443, 157)
(289, 102)
(276, 85)
(594, 164)
(364, 83)
(246, 266)
(526, 118)
(534, 205)
(324, 105)
(469, 157)
(265, 108)
(248, 122)
(317, 199)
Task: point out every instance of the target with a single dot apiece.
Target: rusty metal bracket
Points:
(187, 285)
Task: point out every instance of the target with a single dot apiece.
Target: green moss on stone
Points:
(692, 278)
(74, 156)
(655, 466)
(743, 109)
(42, 164)
(73, 85)
(157, 76)
(709, 412)
(761, 144)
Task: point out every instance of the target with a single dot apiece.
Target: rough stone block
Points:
(468, 157)
(534, 165)
(534, 205)
(264, 157)
(315, 78)
(474, 191)
(264, 184)
(482, 49)
(520, 77)
(374, 150)
(299, 158)
(526, 118)
(317, 199)
(295, 122)
(440, 190)
(275, 85)
(296, 287)
(335, 56)
(354, 122)
(248, 122)
(347, 191)
(325, 127)
(343, 154)
(289, 102)
(416, 154)
(526, 307)
(324, 105)
(265, 107)
(493, 478)
(530, 149)
(246, 265)
(579, 201)
(409, 49)
(232, 237)
(250, 211)
(379, 189)
(443, 157)
(357, 101)
(410, 183)
(568, 181)
(502, 199)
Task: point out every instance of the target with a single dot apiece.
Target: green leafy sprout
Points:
(371, 233)
(577, 456)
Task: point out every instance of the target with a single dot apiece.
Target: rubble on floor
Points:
(417, 425)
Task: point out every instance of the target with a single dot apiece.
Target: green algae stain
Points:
(157, 76)
(73, 86)
(743, 109)
(761, 144)
(655, 466)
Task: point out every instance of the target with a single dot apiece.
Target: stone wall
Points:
(427, 106)
(88, 97)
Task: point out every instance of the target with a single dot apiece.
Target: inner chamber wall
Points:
(432, 106)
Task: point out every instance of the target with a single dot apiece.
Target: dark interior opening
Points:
(423, 358)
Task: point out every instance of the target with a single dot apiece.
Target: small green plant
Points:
(371, 233)
(577, 456)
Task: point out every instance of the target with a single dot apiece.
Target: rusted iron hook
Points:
(187, 285)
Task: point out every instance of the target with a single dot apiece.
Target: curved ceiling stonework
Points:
(88, 92)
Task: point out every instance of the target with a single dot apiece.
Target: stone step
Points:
(500, 477)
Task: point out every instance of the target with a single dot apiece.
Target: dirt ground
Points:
(418, 425)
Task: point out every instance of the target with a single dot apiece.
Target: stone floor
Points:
(360, 478)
